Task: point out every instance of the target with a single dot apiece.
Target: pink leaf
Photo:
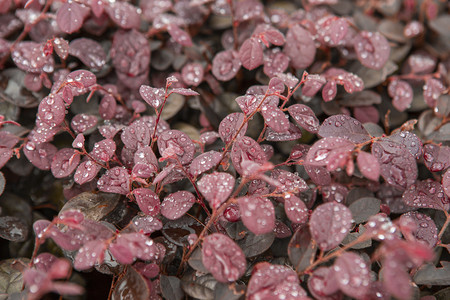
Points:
(86, 172)
(225, 65)
(40, 155)
(179, 35)
(352, 275)
(178, 143)
(204, 162)
(275, 118)
(137, 134)
(90, 52)
(216, 187)
(436, 157)
(104, 150)
(257, 213)
(83, 122)
(329, 91)
(326, 150)
(426, 194)
(401, 93)
(446, 182)
(107, 107)
(299, 47)
(70, 17)
(305, 117)
(372, 49)
(80, 77)
(223, 258)
(293, 133)
(184, 92)
(52, 110)
(329, 224)
(251, 54)
(345, 127)
(424, 229)
(295, 209)
(124, 14)
(175, 205)
(147, 200)
(245, 148)
(146, 224)
(64, 162)
(90, 254)
(115, 180)
(229, 126)
(153, 96)
(368, 165)
(192, 74)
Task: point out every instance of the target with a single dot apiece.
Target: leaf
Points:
(246, 148)
(352, 274)
(216, 187)
(253, 245)
(40, 155)
(295, 209)
(372, 49)
(411, 141)
(13, 229)
(179, 35)
(329, 224)
(275, 62)
(90, 52)
(225, 65)
(363, 208)
(64, 162)
(275, 118)
(223, 258)
(171, 287)
(83, 122)
(2, 183)
(397, 166)
(420, 226)
(131, 286)
(368, 165)
(345, 127)
(401, 93)
(198, 286)
(70, 17)
(436, 157)
(146, 224)
(426, 194)
(431, 275)
(80, 81)
(147, 200)
(293, 133)
(204, 162)
(11, 280)
(176, 143)
(301, 250)
(184, 92)
(329, 91)
(251, 54)
(446, 183)
(324, 151)
(192, 74)
(115, 180)
(273, 282)
(175, 205)
(305, 117)
(299, 47)
(107, 107)
(153, 96)
(52, 110)
(90, 254)
(257, 213)
(322, 283)
(231, 291)
(124, 14)
(93, 205)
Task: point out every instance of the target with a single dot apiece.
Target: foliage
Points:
(228, 149)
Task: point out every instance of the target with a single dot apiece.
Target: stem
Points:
(444, 227)
(158, 116)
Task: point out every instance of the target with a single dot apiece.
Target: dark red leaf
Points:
(424, 229)
(426, 194)
(124, 14)
(229, 126)
(401, 93)
(86, 172)
(410, 141)
(70, 17)
(192, 74)
(223, 258)
(90, 52)
(137, 135)
(352, 275)
(372, 49)
(293, 133)
(368, 165)
(115, 180)
(436, 157)
(251, 54)
(40, 155)
(225, 65)
(147, 200)
(184, 92)
(30, 57)
(325, 151)
(204, 162)
(146, 224)
(80, 81)
(83, 122)
(305, 117)
(176, 143)
(432, 89)
(107, 107)
(90, 254)
(245, 148)
(275, 118)
(329, 91)
(345, 127)
(64, 162)
(329, 224)
(312, 85)
(295, 209)
(52, 110)
(323, 284)
(299, 47)
(153, 96)
(175, 205)
(446, 183)
(216, 187)
(179, 35)
(257, 213)
(275, 62)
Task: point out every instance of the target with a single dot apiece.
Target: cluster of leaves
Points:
(228, 149)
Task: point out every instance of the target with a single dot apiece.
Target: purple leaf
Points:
(179, 35)
(107, 107)
(153, 96)
(345, 127)
(137, 135)
(64, 162)
(104, 150)
(319, 175)
(332, 30)
(305, 117)
(426, 194)
(372, 49)
(245, 148)
(147, 200)
(275, 62)
(115, 180)
(274, 282)
(225, 65)
(295, 209)
(329, 91)
(229, 126)
(90, 52)
(436, 157)
(410, 141)
(144, 155)
(432, 89)
(257, 213)
(352, 275)
(247, 10)
(129, 246)
(30, 57)
(351, 82)
(281, 230)
(312, 85)
(299, 47)
(90, 254)
(40, 155)
(401, 93)
(424, 229)
(251, 54)
(175, 143)
(124, 14)
(223, 258)
(368, 165)
(323, 284)
(290, 182)
(324, 151)
(81, 77)
(70, 17)
(61, 47)
(146, 224)
(334, 192)
(397, 166)
(204, 162)
(275, 118)
(52, 110)
(86, 172)
(175, 205)
(293, 133)
(216, 187)
(192, 74)
(82, 122)
(184, 92)
(329, 224)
